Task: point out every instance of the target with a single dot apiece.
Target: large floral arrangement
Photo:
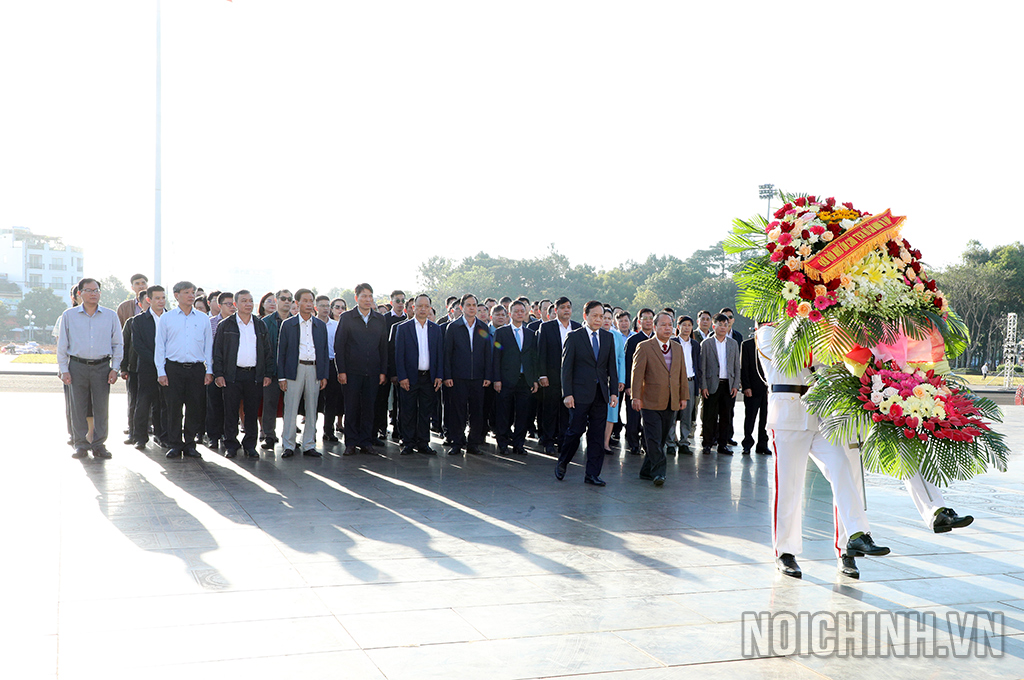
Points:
(843, 288)
(908, 420)
(884, 292)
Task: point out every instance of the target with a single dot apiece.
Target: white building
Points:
(30, 261)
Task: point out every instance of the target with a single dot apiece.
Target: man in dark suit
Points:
(418, 368)
(515, 380)
(755, 398)
(554, 417)
(380, 412)
(242, 368)
(738, 337)
(301, 371)
(361, 355)
(720, 380)
(590, 382)
(634, 418)
(129, 367)
(149, 403)
(467, 371)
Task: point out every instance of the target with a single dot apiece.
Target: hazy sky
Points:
(328, 142)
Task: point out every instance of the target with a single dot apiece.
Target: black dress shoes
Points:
(475, 450)
(80, 453)
(645, 477)
(634, 452)
(408, 451)
(706, 450)
(350, 451)
(502, 450)
(173, 453)
(130, 441)
(330, 439)
(213, 444)
(732, 442)
(312, 453)
(659, 481)
(101, 453)
(786, 564)
(365, 449)
(288, 453)
(268, 445)
(865, 545)
(549, 449)
(746, 452)
(231, 454)
(596, 481)
(141, 446)
(685, 450)
(725, 452)
(947, 520)
(456, 451)
(192, 453)
(252, 453)
(426, 450)
(763, 452)
(848, 566)
(559, 472)
(519, 451)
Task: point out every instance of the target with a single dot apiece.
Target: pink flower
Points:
(791, 308)
(785, 239)
(818, 230)
(822, 302)
(777, 256)
(814, 315)
(797, 278)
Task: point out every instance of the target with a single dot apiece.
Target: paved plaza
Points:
(415, 567)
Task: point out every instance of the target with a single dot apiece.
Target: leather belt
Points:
(797, 389)
(184, 365)
(90, 362)
(307, 363)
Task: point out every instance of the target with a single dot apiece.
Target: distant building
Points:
(30, 261)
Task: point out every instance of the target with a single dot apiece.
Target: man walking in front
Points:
(589, 384)
(660, 389)
(89, 350)
(184, 366)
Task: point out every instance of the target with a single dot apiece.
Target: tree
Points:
(4, 309)
(113, 292)
(974, 293)
(44, 303)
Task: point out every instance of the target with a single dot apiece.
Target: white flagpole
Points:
(157, 274)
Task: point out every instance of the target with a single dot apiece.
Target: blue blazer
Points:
(462, 362)
(288, 348)
(407, 350)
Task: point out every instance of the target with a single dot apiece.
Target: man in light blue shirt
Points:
(184, 365)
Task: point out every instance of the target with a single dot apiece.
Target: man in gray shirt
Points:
(89, 348)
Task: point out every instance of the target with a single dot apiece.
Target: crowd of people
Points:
(218, 365)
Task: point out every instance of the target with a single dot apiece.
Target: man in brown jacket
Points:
(131, 306)
(660, 389)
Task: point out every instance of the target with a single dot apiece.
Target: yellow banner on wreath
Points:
(848, 249)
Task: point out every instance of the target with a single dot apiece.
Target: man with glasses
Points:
(89, 346)
(272, 393)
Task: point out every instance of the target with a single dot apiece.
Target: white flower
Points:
(876, 397)
(846, 224)
(790, 290)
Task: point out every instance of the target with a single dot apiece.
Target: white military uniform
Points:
(795, 436)
(927, 497)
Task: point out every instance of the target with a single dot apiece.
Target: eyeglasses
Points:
(89, 290)
(285, 299)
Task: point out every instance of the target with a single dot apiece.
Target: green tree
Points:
(4, 309)
(113, 292)
(44, 303)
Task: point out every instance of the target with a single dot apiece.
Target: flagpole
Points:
(157, 274)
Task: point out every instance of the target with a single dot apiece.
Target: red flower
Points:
(771, 247)
(916, 254)
(802, 202)
(783, 273)
(785, 239)
(788, 251)
(923, 436)
(797, 278)
(916, 266)
(870, 406)
(814, 316)
(848, 206)
(810, 199)
(893, 249)
(830, 202)
(909, 434)
(781, 212)
(807, 291)
(835, 229)
(832, 285)
(931, 285)
(895, 411)
(929, 425)
(877, 417)
(937, 302)
(805, 234)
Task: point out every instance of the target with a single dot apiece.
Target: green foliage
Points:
(44, 303)
(113, 291)
(833, 398)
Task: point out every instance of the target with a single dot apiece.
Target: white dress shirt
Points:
(332, 331)
(246, 343)
(184, 338)
(423, 344)
(722, 347)
(688, 356)
(563, 331)
(471, 329)
(307, 350)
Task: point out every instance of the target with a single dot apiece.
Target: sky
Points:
(325, 143)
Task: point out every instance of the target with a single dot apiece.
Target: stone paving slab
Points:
(394, 567)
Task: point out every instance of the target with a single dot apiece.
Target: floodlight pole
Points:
(157, 255)
(767, 191)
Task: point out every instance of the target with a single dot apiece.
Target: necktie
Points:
(593, 341)
(519, 338)
(664, 348)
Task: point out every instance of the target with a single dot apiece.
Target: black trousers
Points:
(334, 399)
(185, 389)
(467, 406)
(656, 427)
(755, 409)
(554, 416)
(590, 417)
(246, 391)
(360, 397)
(380, 408)
(634, 423)
(417, 406)
(132, 388)
(715, 419)
(513, 409)
(149, 406)
(490, 409)
(214, 412)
